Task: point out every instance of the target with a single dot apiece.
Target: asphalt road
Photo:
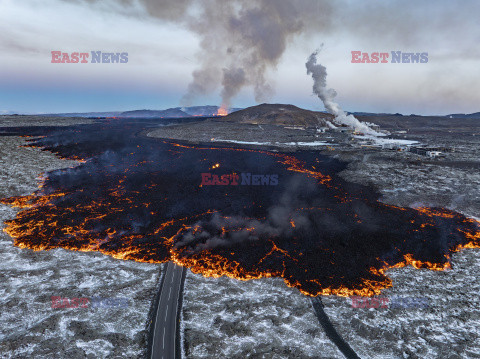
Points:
(166, 318)
(330, 330)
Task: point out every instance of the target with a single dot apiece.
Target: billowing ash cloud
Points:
(241, 40)
(327, 95)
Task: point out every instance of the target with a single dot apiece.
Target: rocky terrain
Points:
(267, 136)
(29, 326)
(226, 318)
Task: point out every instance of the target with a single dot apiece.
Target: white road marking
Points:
(163, 340)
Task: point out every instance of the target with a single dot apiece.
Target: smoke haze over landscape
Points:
(223, 52)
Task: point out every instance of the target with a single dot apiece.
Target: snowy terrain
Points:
(386, 141)
(264, 318)
(226, 318)
(307, 144)
(448, 328)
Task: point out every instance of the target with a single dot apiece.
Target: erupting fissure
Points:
(222, 111)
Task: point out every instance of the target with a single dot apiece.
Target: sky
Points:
(238, 53)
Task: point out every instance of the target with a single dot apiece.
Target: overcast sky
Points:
(168, 41)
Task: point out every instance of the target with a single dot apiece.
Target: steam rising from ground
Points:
(327, 95)
(281, 220)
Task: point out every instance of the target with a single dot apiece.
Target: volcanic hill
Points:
(278, 114)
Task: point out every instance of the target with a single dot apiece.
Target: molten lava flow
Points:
(140, 199)
(409, 260)
(30, 200)
(222, 111)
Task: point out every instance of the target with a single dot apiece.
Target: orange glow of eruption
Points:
(222, 111)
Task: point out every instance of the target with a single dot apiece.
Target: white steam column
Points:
(319, 75)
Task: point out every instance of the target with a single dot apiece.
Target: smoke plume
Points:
(241, 41)
(226, 231)
(327, 95)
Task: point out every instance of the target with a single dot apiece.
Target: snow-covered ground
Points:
(241, 142)
(29, 326)
(308, 144)
(281, 144)
(265, 319)
(226, 318)
(386, 141)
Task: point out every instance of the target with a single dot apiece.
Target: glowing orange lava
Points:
(222, 111)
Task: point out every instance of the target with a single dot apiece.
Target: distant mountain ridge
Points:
(174, 112)
(209, 110)
(168, 113)
(83, 114)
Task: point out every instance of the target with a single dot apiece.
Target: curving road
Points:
(330, 330)
(166, 319)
